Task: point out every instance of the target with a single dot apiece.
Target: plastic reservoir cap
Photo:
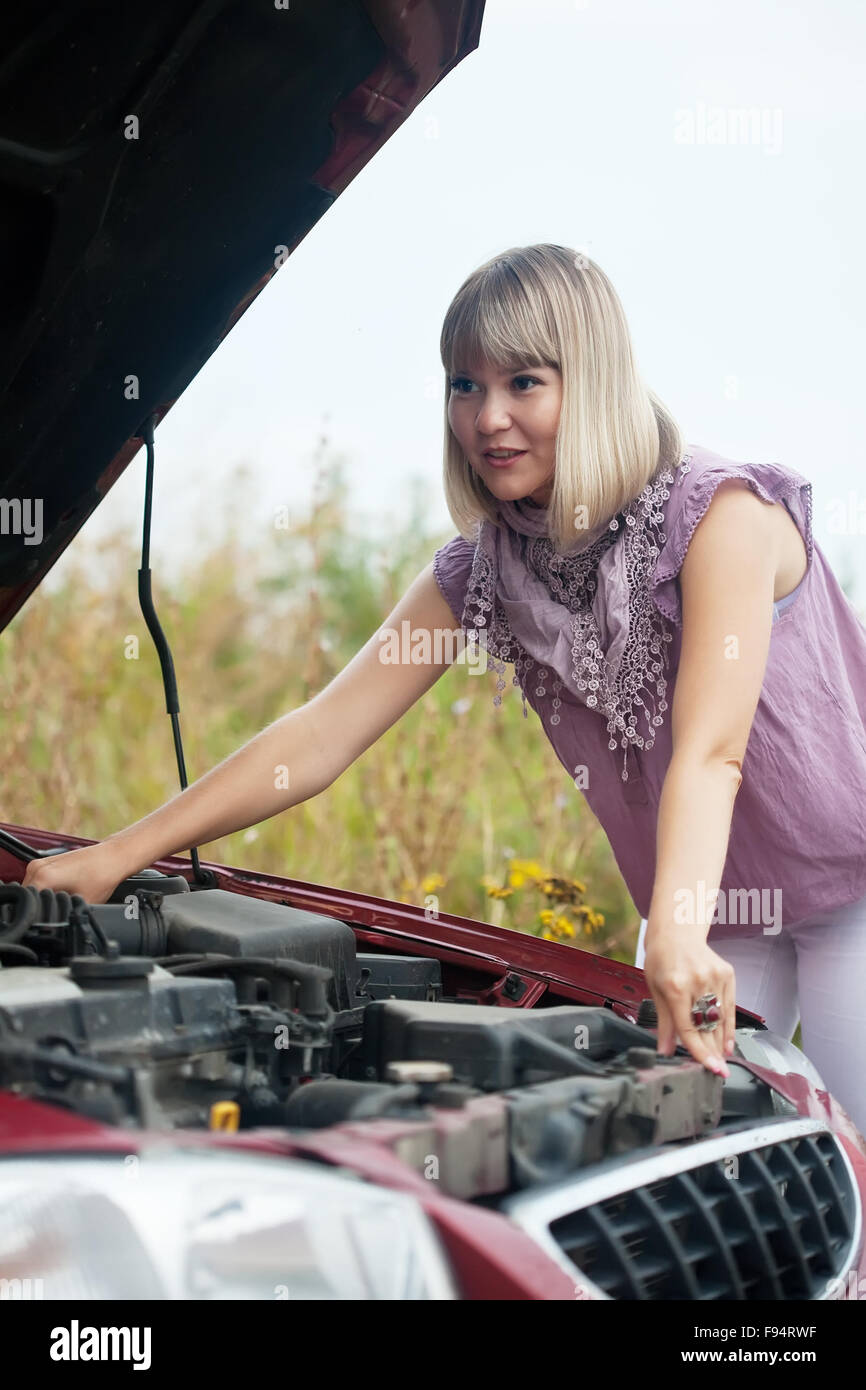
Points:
(225, 1115)
(418, 1072)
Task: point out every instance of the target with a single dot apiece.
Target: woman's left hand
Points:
(679, 968)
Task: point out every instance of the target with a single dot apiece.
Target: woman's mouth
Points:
(503, 458)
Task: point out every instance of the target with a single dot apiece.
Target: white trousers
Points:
(812, 972)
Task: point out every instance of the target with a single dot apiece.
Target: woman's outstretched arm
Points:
(291, 760)
(727, 586)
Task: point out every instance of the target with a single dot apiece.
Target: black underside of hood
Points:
(125, 261)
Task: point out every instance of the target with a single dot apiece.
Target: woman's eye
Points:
(461, 384)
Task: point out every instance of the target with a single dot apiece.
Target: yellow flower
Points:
(499, 892)
(528, 868)
(565, 889)
(431, 883)
(545, 917)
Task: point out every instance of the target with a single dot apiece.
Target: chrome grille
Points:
(772, 1213)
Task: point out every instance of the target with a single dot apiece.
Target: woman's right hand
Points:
(93, 871)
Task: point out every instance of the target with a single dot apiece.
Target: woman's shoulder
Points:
(702, 471)
(452, 566)
(696, 480)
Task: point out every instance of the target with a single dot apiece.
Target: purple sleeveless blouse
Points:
(799, 821)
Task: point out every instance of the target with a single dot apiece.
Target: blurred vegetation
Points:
(459, 799)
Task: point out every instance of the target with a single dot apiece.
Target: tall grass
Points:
(458, 797)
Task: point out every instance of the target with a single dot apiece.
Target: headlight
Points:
(768, 1049)
(199, 1224)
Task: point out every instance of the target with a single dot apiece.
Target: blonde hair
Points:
(550, 306)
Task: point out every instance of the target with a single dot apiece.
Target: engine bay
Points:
(174, 1009)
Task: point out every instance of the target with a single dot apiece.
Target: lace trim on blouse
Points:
(572, 581)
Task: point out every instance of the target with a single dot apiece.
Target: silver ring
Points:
(706, 1013)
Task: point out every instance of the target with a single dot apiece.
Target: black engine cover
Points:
(214, 920)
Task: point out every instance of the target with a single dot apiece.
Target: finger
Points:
(665, 1032)
(696, 1040)
(679, 1026)
(713, 1038)
(717, 1038)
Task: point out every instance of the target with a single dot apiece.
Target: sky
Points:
(707, 154)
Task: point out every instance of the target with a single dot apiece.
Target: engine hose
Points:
(25, 902)
(42, 907)
(22, 954)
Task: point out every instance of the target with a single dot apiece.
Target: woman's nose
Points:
(493, 416)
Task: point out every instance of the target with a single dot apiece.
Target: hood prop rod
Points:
(205, 878)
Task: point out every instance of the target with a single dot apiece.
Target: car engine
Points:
(170, 1008)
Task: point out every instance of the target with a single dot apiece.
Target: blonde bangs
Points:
(493, 319)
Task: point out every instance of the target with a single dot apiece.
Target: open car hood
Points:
(150, 172)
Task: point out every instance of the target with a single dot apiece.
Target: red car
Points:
(224, 1084)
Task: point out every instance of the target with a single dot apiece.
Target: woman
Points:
(614, 570)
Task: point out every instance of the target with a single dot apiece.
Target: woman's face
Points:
(514, 410)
